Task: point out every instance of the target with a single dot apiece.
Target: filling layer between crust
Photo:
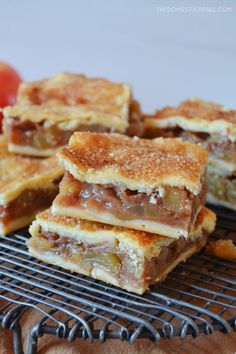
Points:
(46, 136)
(36, 135)
(28, 203)
(168, 205)
(121, 263)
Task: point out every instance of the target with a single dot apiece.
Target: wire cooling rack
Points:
(199, 296)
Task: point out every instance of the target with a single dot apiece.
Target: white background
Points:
(167, 57)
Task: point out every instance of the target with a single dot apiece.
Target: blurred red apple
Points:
(9, 82)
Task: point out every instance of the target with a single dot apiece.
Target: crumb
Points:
(224, 249)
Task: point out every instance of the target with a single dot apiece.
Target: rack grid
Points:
(199, 296)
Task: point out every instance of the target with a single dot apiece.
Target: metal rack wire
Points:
(198, 296)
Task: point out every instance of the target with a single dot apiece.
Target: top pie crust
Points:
(133, 163)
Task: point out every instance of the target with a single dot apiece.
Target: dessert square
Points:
(130, 259)
(155, 185)
(49, 111)
(27, 186)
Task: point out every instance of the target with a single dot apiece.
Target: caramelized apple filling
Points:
(28, 203)
(125, 269)
(169, 205)
(41, 135)
(222, 187)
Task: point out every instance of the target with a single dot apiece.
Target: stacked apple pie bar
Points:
(128, 210)
(49, 111)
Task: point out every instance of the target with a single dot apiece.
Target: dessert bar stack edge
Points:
(128, 210)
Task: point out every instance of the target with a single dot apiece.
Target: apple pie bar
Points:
(214, 128)
(126, 258)
(150, 185)
(27, 186)
(49, 111)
